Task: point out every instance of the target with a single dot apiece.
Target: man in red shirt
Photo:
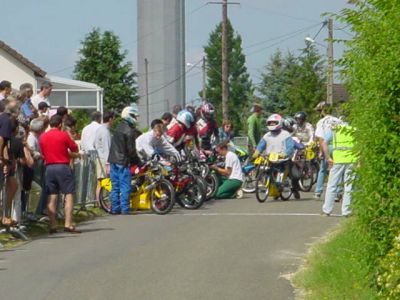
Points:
(57, 148)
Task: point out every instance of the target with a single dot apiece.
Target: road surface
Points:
(228, 249)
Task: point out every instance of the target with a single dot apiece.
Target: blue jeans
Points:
(335, 178)
(323, 170)
(121, 188)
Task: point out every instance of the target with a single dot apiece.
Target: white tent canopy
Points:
(74, 93)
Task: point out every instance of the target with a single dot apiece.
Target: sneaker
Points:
(317, 196)
(239, 194)
(325, 214)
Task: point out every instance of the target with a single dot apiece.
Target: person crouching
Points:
(232, 176)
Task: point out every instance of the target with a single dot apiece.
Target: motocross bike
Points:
(273, 179)
(150, 189)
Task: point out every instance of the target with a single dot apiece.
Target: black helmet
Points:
(300, 117)
(288, 124)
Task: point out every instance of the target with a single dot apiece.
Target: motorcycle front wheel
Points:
(263, 184)
(162, 197)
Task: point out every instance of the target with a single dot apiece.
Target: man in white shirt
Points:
(102, 142)
(89, 133)
(154, 142)
(324, 126)
(45, 91)
(232, 171)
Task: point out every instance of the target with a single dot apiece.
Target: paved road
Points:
(230, 249)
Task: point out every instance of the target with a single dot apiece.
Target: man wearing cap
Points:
(43, 109)
(254, 127)
(42, 96)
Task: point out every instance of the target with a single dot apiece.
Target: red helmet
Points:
(207, 110)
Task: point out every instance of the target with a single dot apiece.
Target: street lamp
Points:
(329, 54)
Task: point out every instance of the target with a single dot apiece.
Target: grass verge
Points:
(334, 268)
(36, 229)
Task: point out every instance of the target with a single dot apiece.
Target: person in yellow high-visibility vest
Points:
(341, 162)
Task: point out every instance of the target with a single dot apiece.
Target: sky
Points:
(49, 32)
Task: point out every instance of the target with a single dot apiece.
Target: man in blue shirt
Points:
(27, 109)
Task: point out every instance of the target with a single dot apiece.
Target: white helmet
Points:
(274, 122)
(186, 118)
(130, 114)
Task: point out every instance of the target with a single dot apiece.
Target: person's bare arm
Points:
(223, 171)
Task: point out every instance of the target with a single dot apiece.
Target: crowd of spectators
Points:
(39, 145)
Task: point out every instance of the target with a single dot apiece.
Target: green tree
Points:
(290, 84)
(103, 62)
(240, 86)
(276, 80)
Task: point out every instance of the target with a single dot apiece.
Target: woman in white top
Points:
(232, 172)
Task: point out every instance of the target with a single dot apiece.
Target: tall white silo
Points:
(161, 41)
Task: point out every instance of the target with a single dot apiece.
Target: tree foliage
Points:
(103, 62)
(290, 84)
(240, 85)
(372, 74)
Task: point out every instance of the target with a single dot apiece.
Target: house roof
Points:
(14, 53)
(340, 93)
(60, 83)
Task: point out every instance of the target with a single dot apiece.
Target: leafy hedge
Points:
(372, 74)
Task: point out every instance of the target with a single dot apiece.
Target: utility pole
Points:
(225, 65)
(329, 85)
(204, 95)
(146, 70)
(225, 62)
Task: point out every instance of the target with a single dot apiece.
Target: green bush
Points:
(372, 74)
(82, 117)
(389, 278)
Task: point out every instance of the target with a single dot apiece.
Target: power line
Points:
(278, 42)
(281, 36)
(246, 6)
(173, 81)
(142, 37)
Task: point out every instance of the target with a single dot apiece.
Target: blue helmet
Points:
(186, 118)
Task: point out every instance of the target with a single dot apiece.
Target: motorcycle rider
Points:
(207, 127)
(122, 156)
(153, 142)
(177, 133)
(303, 130)
(278, 140)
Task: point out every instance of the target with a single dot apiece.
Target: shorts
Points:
(59, 179)
(101, 169)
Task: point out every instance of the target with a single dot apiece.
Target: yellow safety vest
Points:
(343, 142)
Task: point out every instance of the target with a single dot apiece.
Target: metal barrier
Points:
(85, 180)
